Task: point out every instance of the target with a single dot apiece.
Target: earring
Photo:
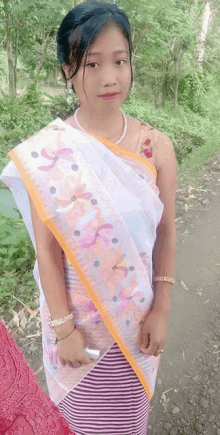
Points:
(69, 87)
(77, 101)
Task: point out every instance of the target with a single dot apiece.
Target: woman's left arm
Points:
(154, 328)
(164, 253)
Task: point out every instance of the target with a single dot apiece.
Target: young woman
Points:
(101, 194)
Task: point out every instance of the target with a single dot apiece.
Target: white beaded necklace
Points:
(125, 126)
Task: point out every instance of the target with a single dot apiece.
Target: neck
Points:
(100, 123)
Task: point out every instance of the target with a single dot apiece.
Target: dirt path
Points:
(187, 394)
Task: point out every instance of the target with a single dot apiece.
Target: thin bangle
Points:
(164, 278)
(58, 339)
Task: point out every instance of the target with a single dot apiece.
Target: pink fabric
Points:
(25, 409)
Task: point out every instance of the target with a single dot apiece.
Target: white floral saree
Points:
(102, 204)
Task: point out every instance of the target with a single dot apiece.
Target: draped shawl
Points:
(102, 204)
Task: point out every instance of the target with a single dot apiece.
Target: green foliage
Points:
(17, 257)
(192, 90)
(22, 117)
(165, 33)
(15, 251)
(59, 106)
(21, 285)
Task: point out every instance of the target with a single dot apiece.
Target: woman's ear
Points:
(66, 70)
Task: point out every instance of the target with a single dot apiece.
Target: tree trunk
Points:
(16, 60)
(176, 88)
(205, 25)
(177, 81)
(43, 56)
(164, 90)
(10, 54)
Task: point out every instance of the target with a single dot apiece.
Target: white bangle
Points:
(57, 322)
(164, 278)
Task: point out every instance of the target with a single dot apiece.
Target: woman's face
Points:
(107, 71)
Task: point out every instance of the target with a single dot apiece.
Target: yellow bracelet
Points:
(164, 278)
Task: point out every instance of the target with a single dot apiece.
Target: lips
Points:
(109, 95)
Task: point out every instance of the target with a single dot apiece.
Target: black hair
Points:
(82, 25)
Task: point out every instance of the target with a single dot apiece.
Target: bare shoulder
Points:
(165, 155)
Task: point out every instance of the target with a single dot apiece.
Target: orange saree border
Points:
(32, 190)
(127, 153)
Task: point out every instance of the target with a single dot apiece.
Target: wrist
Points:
(160, 310)
(162, 297)
(64, 329)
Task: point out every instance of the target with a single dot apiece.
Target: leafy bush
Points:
(16, 249)
(59, 107)
(22, 117)
(17, 257)
(192, 89)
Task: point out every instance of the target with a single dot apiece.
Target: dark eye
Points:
(92, 65)
(121, 60)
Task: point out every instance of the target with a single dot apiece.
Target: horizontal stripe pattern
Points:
(109, 400)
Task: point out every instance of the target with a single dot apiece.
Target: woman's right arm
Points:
(49, 254)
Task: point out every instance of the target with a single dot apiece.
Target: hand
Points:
(70, 350)
(153, 333)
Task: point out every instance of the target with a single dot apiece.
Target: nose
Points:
(108, 76)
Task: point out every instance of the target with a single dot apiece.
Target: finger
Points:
(151, 349)
(158, 350)
(145, 340)
(76, 364)
(62, 362)
(156, 353)
(85, 359)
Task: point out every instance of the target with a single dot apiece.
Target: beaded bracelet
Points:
(164, 278)
(57, 322)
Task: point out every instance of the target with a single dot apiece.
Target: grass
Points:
(193, 164)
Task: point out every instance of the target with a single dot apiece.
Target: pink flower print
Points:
(74, 201)
(102, 233)
(96, 250)
(143, 256)
(92, 225)
(146, 152)
(64, 153)
(51, 354)
(90, 308)
(71, 191)
(96, 235)
(129, 298)
(137, 315)
(113, 268)
(55, 174)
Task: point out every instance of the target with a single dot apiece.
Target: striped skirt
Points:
(110, 400)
